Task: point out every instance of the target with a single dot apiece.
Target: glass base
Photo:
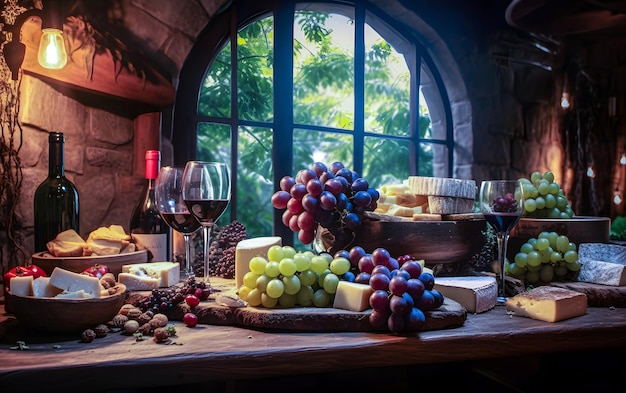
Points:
(185, 274)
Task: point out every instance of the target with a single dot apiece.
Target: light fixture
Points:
(52, 53)
(622, 159)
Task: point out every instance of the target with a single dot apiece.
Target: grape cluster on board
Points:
(331, 196)
(402, 291)
(544, 198)
(546, 258)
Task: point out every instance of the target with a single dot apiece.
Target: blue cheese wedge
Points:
(549, 304)
(476, 294)
(602, 263)
(167, 273)
(352, 296)
(68, 281)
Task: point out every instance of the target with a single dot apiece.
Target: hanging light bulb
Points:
(590, 172)
(622, 159)
(617, 198)
(52, 53)
(565, 100)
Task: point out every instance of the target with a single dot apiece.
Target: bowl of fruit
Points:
(546, 209)
(329, 207)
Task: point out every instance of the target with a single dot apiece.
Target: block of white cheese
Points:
(69, 281)
(602, 263)
(449, 205)
(42, 288)
(22, 285)
(476, 294)
(443, 186)
(549, 304)
(80, 294)
(248, 249)
(352, 296)
(134, 282)
(168, 273)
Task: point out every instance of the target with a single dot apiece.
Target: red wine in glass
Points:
(184, 223)
(207, 211)
(502, 222)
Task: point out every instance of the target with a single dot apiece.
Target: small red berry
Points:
(190, 319)
(192, 300)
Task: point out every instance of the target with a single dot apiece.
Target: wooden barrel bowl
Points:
(579, 229)
(436, 242)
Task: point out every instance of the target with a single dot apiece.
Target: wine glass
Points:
(206, 191)
(174, 211)
(502, 204)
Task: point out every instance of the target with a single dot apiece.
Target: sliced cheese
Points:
(168, 273)
(72, 282)
(352, 296)
(22, 285)
(80, 294)
(135, 282)
(248, 249)
(476, 294)
(549, 304)
(42, 288)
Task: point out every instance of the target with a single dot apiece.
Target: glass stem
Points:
(502, 240)
(207, 246)
(188, 266)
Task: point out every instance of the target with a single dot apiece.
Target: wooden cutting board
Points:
(306, 319)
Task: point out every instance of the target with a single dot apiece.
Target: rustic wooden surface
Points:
(221, 353)
(597, 295)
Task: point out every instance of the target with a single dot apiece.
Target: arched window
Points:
(273, 86)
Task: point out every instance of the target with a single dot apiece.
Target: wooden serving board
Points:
(307, 319)
(598, 295)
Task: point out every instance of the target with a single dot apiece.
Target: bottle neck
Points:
(56, 159)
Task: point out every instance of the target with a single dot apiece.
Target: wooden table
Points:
(226, 357)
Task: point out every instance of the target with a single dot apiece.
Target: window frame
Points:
(185, 117)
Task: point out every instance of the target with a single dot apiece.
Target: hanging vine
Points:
(11, 251)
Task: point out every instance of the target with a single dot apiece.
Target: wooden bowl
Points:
(579, 229)
(48, 262)
(436, 242)
(59, 315)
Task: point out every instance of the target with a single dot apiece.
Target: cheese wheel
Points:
(449, 205)
(443, 186)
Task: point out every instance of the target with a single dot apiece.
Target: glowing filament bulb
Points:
(617, 199)
(52, 53)
(622, 159)
(591, 172)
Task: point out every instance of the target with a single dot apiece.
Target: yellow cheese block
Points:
(69, 281)
(167, 273)
(549, 304)
(248, 249)
(352, 296)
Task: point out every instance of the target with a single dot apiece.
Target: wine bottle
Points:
(147, 227)
(56, 198)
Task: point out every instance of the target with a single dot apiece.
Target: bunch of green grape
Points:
(289, 278)
(544, 198)
(546, 258)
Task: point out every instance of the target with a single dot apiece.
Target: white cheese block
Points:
(352, 296)
(450, 205)
(476, 294)
(602, 252)
(21, 285)
(168, 273)
(250, 248)
(42, 288)
(443, 186)
(135, 282)
(72, 282)
(600, 272)
(549, 304)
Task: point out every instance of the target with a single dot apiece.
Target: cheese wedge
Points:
(135, 282)
(69, 281)
(248, 249)
(549, 304)
(352, 296)
(22, 285)
(42, 288)
(602, 263)
(476, 294)
(168, 273)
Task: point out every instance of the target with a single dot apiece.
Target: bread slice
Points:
(67, 244)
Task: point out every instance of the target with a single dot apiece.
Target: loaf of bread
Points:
(110, 240)
(67, 244)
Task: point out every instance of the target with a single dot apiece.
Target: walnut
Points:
(88, 336)
(144, 318)
(101, 330)
(161, 335)
(126, 308)
(146, 329)
(118, 321)
(160, 320)
(107, 280)
(135, 313)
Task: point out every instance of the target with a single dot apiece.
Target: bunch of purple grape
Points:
(331, 196)
(402, 290)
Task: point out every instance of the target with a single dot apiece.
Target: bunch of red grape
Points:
(331, 196)
(402, 290)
